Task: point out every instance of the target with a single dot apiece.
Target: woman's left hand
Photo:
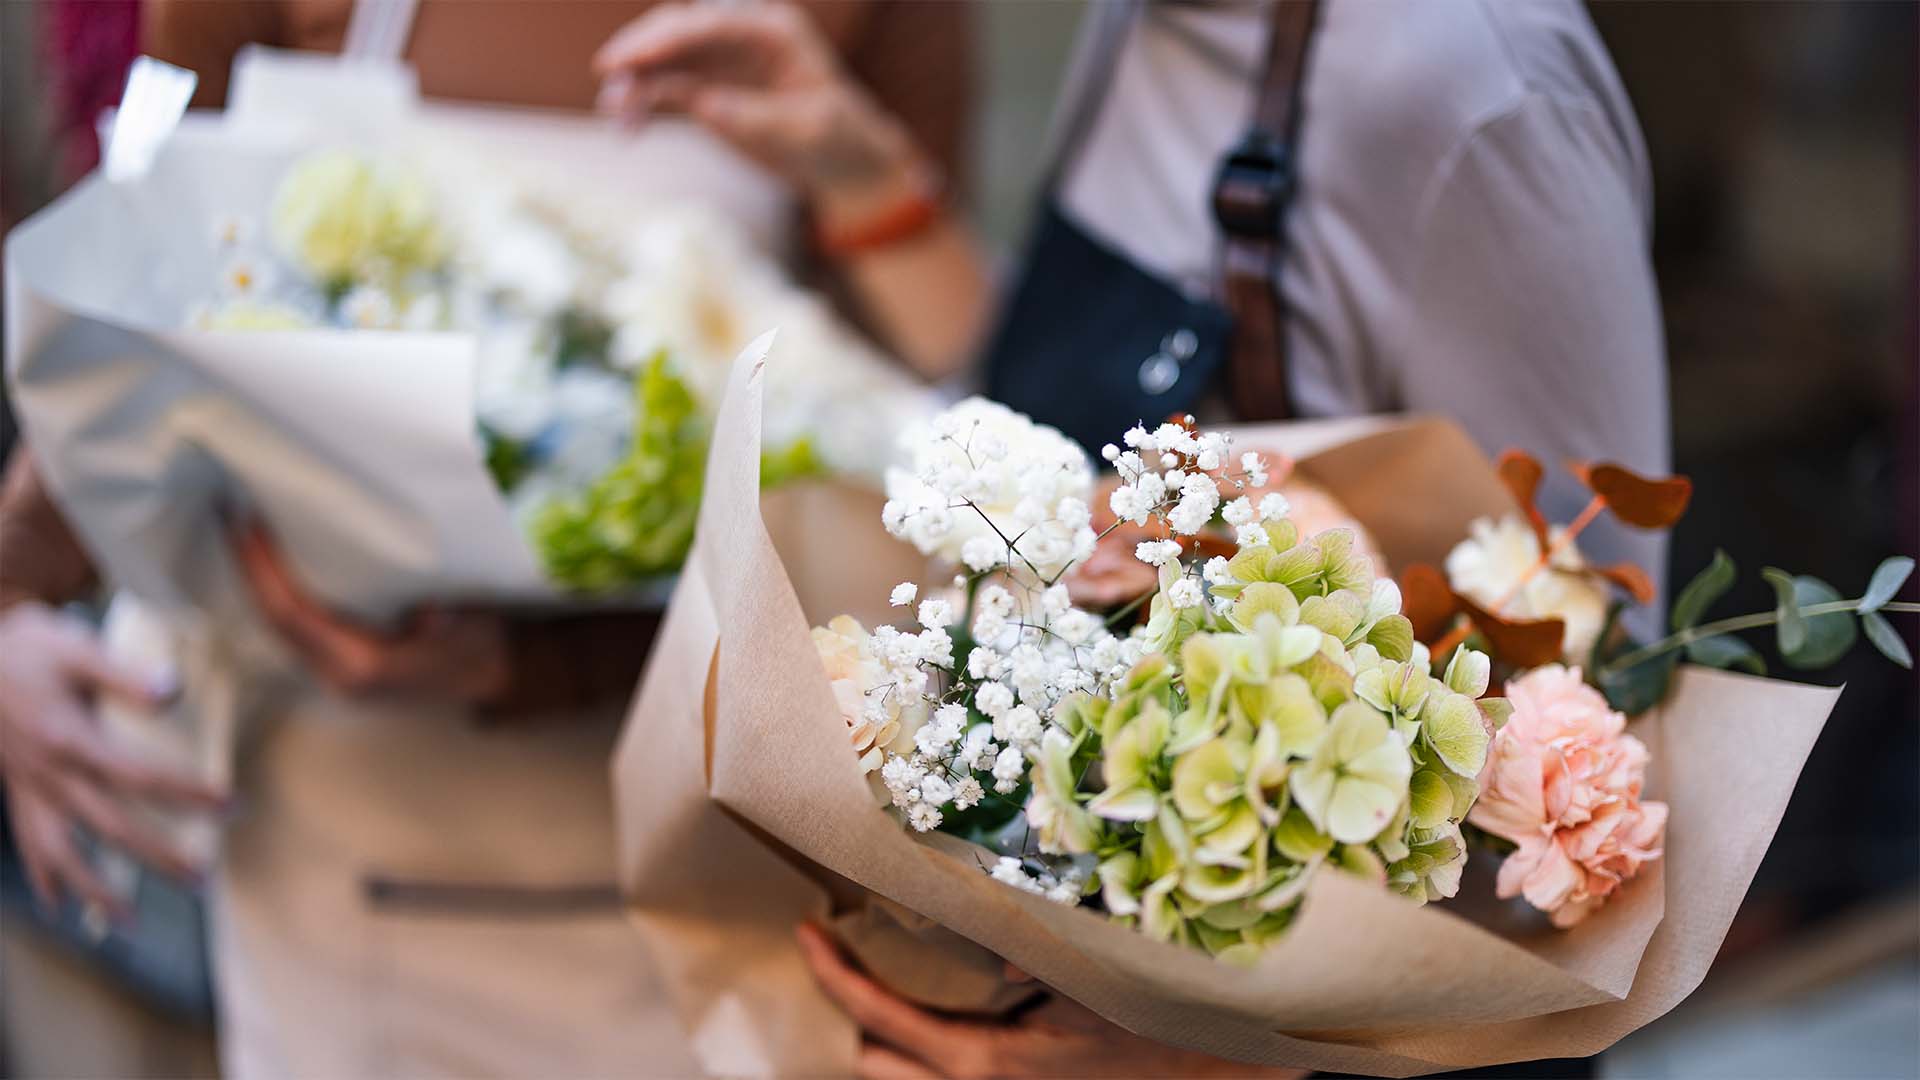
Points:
(461, 656)
(901, 1041)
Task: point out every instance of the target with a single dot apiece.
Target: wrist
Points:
(878, 210)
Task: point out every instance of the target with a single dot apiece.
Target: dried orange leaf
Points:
(1630, 578)
(1521, 472)
(1635, 499)
(1520, 642)
(1426, 601)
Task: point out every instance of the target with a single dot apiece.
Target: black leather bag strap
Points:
(1251, 193)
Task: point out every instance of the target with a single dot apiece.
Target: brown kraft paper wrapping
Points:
(1364, 982)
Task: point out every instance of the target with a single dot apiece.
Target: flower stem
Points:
(1133, 605)
(1728, 626)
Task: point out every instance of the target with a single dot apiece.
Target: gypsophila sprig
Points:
(1271, 716)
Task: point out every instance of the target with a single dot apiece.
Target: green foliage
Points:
(1635, 689)
(1885, 638)
(795, 461)
(1790, 628)
(1703, 591)
(1886, 581)
(1631, 687)
(1724, 652)
(582, 337)
(1821, 638)
(1813, 626)
(508, 460)
(637, 520)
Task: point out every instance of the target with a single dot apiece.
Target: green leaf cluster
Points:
(1813, 628)
(636, 521)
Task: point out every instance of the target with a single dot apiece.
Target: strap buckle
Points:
(1253, 187)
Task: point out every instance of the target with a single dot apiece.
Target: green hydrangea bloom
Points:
(636, 521)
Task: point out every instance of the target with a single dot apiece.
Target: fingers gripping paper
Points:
(736, 714)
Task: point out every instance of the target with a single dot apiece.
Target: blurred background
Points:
(1783, 141)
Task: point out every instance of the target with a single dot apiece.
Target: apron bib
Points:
(1092, 344)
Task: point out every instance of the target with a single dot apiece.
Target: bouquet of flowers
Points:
(503, 386)
(1272, 715)
(1225, 827)
(596, 339)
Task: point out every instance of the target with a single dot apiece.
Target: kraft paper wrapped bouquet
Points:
(1242, 827)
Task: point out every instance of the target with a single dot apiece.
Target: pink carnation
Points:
(1563, 782)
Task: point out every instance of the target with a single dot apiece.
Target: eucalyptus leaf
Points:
(1886, 581)
(1791, 629)
(1828, 637)
(1886, 638)
(1636, 689)
(1603, 641)
(1726, 651)
(1703, 592)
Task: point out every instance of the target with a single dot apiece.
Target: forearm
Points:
(205, 35)
(567, 663)
(40, 558)
(926, 295)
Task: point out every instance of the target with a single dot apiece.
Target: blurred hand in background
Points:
(61, 771)
(765, 80)
(450, 655)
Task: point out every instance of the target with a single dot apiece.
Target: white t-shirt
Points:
(1470, 233)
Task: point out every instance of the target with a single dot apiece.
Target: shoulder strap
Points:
(1250, 197)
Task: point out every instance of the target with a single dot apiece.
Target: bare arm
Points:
(40, 558)
(205, 35)
(766, 79)
(928, 296)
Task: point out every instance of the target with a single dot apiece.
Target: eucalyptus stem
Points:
(1739, 622)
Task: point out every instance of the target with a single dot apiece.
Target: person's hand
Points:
(460, 656)
(762, 78)
(62, 771)
(901, 1041)
(1112, 576)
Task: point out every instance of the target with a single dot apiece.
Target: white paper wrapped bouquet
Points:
(433, 371)
(602, 343)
